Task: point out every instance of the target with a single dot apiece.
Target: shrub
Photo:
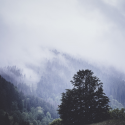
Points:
(56, 122)
(117, 114)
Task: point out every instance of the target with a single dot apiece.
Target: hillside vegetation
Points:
(56, 75)
(111, 122)
(86, 103)
(44, 96)
(19, 109)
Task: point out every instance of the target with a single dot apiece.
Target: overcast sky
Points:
(93, 30)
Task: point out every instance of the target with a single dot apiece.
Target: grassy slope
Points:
(111, 122)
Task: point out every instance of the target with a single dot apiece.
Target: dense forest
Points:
(19, 109)
(44, 96)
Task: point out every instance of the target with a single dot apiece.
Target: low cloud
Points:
(91, 30)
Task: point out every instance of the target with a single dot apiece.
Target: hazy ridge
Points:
(57, 74)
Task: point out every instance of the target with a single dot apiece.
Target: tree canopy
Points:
(85, 102)
(17, 108)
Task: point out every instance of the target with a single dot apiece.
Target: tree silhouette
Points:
(86, 102)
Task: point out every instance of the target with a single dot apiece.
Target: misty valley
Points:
(23, 103)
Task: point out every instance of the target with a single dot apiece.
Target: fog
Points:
(30, 30)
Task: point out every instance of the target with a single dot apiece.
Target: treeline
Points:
(86, 103)
(19, 109)
(50, 82)
(115, 114)
(56, 75)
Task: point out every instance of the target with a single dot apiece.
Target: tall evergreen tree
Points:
(86, 102)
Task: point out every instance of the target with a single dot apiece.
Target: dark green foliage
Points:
(86, 102)
(8, 94)
(32, 101)
(17, 108)
(117, 114)
(56, 122)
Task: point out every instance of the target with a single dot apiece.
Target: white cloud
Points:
(93, 30)
(114, 3)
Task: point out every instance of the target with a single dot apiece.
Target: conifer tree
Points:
(86, 102)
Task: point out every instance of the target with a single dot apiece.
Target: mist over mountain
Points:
(57, 74)
(12, 74)
(43, 44)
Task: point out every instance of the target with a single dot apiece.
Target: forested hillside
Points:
(19, 109)
(56, 76)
